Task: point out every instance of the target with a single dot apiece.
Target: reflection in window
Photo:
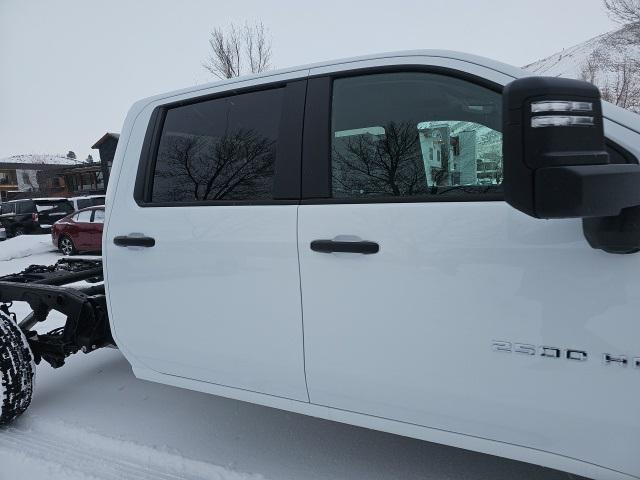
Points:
(98, 216)
(83, 217)
(407, 134)
(221, 149)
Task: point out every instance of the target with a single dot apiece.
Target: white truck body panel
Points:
(400, 341)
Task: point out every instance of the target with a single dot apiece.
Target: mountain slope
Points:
(569, 62)
(611, 61)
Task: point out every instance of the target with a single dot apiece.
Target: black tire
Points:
(19, 231)
(66, 246)
(17, 370)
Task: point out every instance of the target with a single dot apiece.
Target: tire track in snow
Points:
(61, 447)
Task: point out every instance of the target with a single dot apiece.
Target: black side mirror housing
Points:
(555, 160)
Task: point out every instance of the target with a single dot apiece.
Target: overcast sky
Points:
(70, 69)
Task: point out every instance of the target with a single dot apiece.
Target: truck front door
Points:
(428, 300)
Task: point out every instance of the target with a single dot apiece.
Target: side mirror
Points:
(555, 161)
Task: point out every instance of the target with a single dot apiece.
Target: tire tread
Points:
(17, 370)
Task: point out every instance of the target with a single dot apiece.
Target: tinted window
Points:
(221, 149)
(83, 217)
(98, 216)
(89, 202)
(25, 207)
(83, 203)
(8, 208)
(410, 134)
(53, 206)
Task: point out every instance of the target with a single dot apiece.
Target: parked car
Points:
(500, 318)
(79, 232)
(86, 201)
(35, 215)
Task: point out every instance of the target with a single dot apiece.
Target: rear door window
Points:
(98, 216)
(83, 217)
(25, 207)
(84, 203)
(53, 206)
(8, 208)
(219, 149)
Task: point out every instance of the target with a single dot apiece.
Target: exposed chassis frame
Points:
(47, 288)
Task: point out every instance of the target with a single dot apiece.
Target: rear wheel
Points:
(17, 370)
(66, 246)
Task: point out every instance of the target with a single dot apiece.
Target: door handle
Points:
(330, 246)
(127, 241)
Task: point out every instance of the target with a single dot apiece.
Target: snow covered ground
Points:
(92, 419)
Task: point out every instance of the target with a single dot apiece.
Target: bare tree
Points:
(238, 164)
(623, 87)
(238, 50)
(257, 47)
(623, 11)
(591, 68)
(616, 74)
(389, 165)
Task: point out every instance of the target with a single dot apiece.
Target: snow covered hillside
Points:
(40, 159)
(611, 61)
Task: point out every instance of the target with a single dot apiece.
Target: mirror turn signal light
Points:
(561, 121)
(561, 106)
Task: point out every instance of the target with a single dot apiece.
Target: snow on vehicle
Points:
(86, 201)
(368, 241)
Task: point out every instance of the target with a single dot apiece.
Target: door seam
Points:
(304, 353)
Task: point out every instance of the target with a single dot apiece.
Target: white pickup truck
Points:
(427, 243)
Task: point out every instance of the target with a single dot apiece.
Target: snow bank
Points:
(24, 246)
(62, 450)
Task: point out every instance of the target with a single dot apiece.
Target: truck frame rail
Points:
(73, 287)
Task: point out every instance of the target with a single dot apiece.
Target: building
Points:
(107, 148)
(449, 159)
(21, 175)
(82, 178)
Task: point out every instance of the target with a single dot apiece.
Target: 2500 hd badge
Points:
(566, 353)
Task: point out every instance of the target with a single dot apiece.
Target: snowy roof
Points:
(104, 139)
(40, 159)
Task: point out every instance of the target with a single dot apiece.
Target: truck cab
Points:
(352, 240)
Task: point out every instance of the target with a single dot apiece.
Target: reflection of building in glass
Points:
(489, 169)
(400, 159)
(448, 159)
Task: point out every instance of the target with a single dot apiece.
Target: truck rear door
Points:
(214, 293)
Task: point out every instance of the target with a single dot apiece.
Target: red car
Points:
(79, 232)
